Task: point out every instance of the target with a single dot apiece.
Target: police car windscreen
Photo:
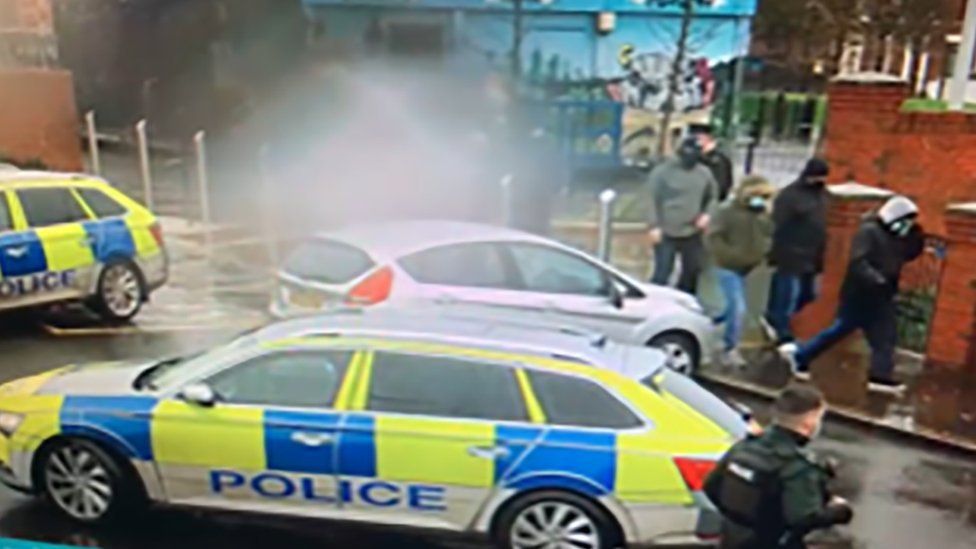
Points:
(327, 262)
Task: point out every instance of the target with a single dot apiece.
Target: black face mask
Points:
(689, 159)
(815, 182)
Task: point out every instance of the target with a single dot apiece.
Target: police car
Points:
(67, 237)
(531, 436)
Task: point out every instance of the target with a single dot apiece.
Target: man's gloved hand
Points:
(840, 510)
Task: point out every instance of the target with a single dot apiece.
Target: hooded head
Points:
(898, 215)
(689, 153)
(755, 192)
(816, 171)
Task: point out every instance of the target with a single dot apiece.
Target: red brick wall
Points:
(928, 156)
(954, 324)
(38, 119)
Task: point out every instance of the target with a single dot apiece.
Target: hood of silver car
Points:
(96, 379)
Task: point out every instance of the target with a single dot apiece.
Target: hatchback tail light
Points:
(694, 471)
(156, 230)
(373, 289)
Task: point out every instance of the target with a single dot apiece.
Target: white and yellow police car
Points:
(72, 237)
(536, 437)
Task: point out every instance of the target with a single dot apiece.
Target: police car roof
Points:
(395, 239)
(473, 328)
(9, 177)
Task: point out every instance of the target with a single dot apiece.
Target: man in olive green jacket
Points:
(739, 238)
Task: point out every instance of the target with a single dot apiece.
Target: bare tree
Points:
(677, 66)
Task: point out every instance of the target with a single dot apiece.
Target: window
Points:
(302, 379)
(471, 265)
(5, 223)
(327, 261)
(446, 387)
(50, 206)
(578, 402)
(552, 271)
(101, 204)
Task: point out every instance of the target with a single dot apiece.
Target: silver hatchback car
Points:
(448, 263)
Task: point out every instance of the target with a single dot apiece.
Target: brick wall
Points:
(38, 119)
(927, 156)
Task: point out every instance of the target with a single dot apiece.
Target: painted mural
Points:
(567, 54)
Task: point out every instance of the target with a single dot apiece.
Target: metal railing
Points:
(916, 296)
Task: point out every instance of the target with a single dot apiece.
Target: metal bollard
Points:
(96, 160)
(506, 184)
(268, 211)
(144, 169)
(605, 238)
(203, 184)
(750, 157)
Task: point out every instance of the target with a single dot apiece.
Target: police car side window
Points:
(576, 402)
(101, 204)
(444, 387)
(50, 206)
(301, 379)
(5, 223)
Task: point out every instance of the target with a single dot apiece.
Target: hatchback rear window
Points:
(328, 262)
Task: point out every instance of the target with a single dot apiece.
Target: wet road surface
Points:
(905, 495)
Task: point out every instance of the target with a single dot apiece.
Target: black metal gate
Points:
(917, 295)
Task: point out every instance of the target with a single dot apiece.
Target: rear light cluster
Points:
(694, 471)
(373, 289)
(156, 230)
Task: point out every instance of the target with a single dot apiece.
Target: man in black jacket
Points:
(797, 255)
(770, 489)
(883, 244)
(715, 160)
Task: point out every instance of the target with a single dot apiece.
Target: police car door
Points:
(431, 437)
(50, 257)
(267, 443)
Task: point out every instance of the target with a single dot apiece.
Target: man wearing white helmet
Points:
(883, 244)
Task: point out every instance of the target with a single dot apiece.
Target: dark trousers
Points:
(788, 295)
(876, 320)
(691, 249)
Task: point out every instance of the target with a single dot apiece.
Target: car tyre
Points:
(87, 484)
(120, 291)
(553, 518)
(683, 355)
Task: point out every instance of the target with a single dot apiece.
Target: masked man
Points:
(884, 243)
(682, 191)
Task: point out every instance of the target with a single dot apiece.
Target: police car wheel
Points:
(84, 482)
(555, 519)
(681, 352)
(119, 291)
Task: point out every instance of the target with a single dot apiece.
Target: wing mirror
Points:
(200, 394)
(615, 295)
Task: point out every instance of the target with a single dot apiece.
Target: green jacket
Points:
(804, 496)
(739, 238)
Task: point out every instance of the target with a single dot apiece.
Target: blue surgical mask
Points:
(902, 227)
(757, 203)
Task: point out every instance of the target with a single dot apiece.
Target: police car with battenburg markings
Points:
(531, 435)
(72, 237)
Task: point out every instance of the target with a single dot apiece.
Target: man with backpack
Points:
(770, 490)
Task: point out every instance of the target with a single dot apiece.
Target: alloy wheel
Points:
(554, 525)
(678, 358)
(120, 290)
(78, 482)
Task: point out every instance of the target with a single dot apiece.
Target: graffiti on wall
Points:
(646, 76)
